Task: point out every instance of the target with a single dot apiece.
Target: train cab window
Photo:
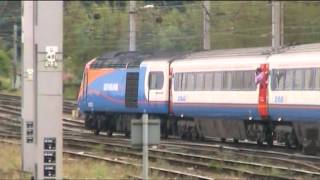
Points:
(156, 80)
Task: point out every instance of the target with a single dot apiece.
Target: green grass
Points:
(98, 149)
(10, 162)
(88, 168)
(70, 91)
(73, 168)
(216, 165)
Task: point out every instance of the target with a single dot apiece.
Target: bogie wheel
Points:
(291, 141)
(96, 132)
(109, 133)
(269, 139)
(127, 134)
(270, 142)
(223, 139)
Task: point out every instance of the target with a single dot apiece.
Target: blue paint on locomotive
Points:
(107, 94)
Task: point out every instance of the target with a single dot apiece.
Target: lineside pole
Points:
(28, 109)
(49, 58)
(277, 25)
(15, 56)
(145, 164)
(42, 96)
(206, 25)
(132, 24)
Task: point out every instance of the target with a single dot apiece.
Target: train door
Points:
(262, 75)
(158, 86)
(132, 83)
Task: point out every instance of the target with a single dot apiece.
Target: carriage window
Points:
(227, 80)
(156, 80)
(289, 80)
(199, 81)
(184, 81)
(298, 77)
(178, 81)
(278, 79)
(317, 79)
(308, 79)
(248, 80)
(208, 81)
(214, 81)
(190, 82)
(237, 80)
(217, 83)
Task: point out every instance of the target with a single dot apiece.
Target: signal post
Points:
(42, 97)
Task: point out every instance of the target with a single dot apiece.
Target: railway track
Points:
(118, 149)
(202, 158)
(122, 148)
(161, 171)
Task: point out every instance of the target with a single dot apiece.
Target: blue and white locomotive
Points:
(209, 94)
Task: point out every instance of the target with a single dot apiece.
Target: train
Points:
(254, 94)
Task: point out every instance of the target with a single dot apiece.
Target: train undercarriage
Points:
(293, 135)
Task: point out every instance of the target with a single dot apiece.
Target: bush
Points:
(5, 65)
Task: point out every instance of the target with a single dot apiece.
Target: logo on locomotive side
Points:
(110, 87)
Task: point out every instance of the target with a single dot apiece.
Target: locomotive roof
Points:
(131, 58)
(119, 60)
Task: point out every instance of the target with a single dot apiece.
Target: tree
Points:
(5, 64)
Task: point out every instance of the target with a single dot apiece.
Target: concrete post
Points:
(206, 25)
(42, 88)
(145, 164)
(132, 30)
(28, 87)
(277, 26)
